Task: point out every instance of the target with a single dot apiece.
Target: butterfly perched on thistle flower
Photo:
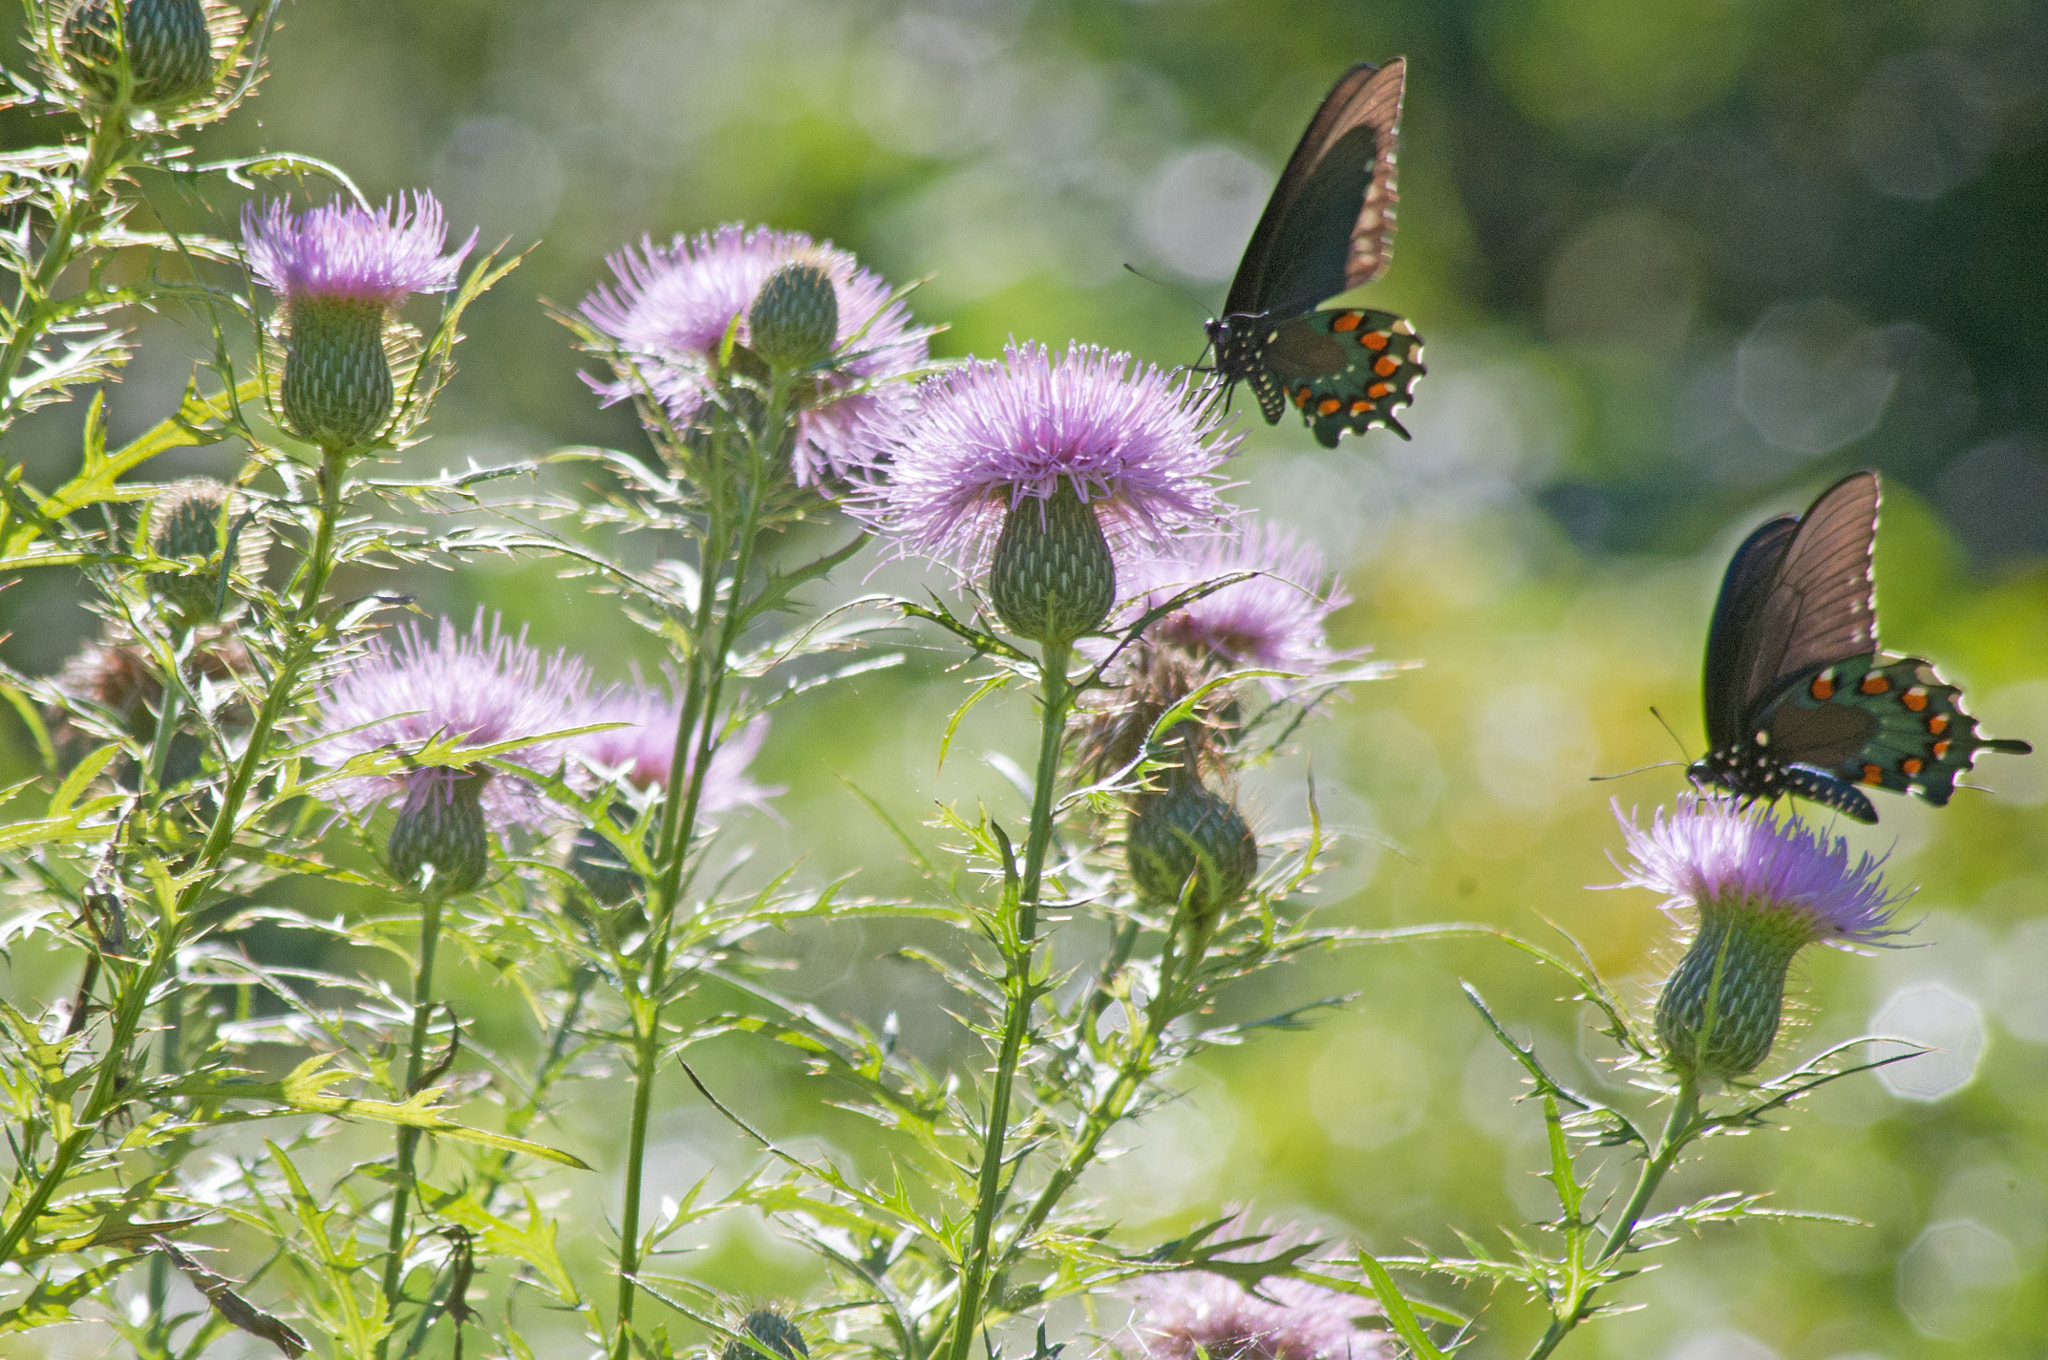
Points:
(1799, 699)
(1328, 228)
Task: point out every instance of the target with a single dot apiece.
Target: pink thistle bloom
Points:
(1275, 621)
(643, 751)
(482, 687)
(671, 305)
(1720, 857)
(340, 251)
(1130, 441)
(1191, 1314)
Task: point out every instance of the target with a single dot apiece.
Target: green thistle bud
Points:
(775, 1332)
(794, 322)
(1187, 832)
(188, 521)
(1053, 577)
(441, 827)
(337, 377)
(169, 44)
(1719, 1011)
(598, 865)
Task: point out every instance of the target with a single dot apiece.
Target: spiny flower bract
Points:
(668, 309)
(642, 751)
(482, 687)
(1131, 442)
(1713, 854)
(343, 250)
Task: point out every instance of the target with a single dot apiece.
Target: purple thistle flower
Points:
(342, 251)
(671, 305)
(643, 752)
(1129, 441)
(483, 687)
(1190, 1314)
(1276, 621)
(1715, 855)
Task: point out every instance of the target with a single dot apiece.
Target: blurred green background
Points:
(1679, 265)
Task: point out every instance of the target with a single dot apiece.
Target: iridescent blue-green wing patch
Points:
(1877, 722)
(1344, 369)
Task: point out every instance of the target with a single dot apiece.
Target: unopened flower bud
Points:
(1052, 578)
(186, 522)
(794, 322)
(599, 866)
(1184, 833)
(168, 42)
(337, 377)
(774, 1332)
(441, 827)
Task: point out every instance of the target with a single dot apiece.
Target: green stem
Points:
(409, 1138)
(79, 217)
(132, 1006)
(722, 547)
(1679, 1130)
(1020, 993)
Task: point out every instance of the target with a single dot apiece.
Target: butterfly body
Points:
(1799, 698)
(1328, 228)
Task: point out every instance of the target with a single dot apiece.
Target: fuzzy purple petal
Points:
(1713, 853)
(1276, 621)
(643, 751)
(984, 437)
(668, 308)
(482, 686)
(341, 250)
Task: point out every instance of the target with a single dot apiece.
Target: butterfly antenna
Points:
(1175, 289)
(1659, 765)
(1676, 740)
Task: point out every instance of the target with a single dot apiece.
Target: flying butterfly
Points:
(1799, 699)
(1328, 228)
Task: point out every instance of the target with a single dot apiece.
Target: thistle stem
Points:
(1020, 993)
(409, 1138)
(723, 546)
(134, 998)
(1679, 1130)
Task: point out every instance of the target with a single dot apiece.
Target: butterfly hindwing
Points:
(1344, 369)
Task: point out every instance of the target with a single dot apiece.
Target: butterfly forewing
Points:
(1329, 225)
(1751, 573)
(1822, 603)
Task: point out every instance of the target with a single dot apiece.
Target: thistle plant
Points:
(282, 836)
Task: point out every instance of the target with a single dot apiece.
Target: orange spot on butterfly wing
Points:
(1360, 407)
(1875, 683)
(1873, 774)
(1823, 686)
(1378, 390)
(1940, 749)
(1915, 699)
(1374, 339)
(1347, 322)
(1386, 365)
(1938, 724)
(1329, 406)
(1912, 764)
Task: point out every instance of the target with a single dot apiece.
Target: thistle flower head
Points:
(1275, 621)
(1715, 855)
(643, 751)
(1191, 1314)
(482, 687)
(987, 438)
(1763, 889)
(668, 309)
(341, 251)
